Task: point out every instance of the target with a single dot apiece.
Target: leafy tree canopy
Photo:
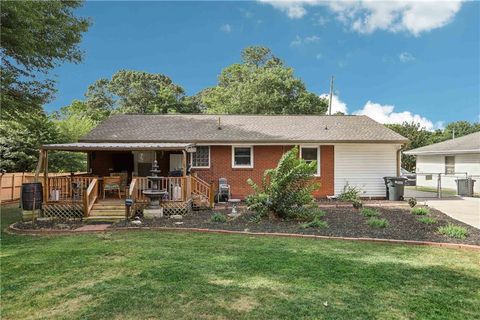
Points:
(36, 37)
(260, 84)
(136, 92)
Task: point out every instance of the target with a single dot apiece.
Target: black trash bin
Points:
(395, 187)
(465, 187)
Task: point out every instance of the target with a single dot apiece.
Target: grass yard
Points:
(160, 275)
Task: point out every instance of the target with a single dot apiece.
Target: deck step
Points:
(104, 218)
(95, 212)
(102, 207)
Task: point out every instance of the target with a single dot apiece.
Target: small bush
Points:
(310, 214)
(412, 202)
(357, 204)
(420, 211)
(315, 223)
(377, 223)
(285, 190)
(369, 212)
(453, 231)
(427, 220)
(256, 218)
(349, 193)
(218, 217)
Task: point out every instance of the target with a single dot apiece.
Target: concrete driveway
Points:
(463, 209)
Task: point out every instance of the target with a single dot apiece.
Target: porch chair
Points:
(112, 184)
(223, 190)
(123, 181)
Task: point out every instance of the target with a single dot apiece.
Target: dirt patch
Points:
(342, 222)
(242, 304)
(49, 225)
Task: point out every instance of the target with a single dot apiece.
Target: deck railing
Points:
(91, 195)
(202, 188)
(176, 188)
(61, 189)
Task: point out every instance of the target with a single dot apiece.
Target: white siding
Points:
(469, 163)
(364, 166)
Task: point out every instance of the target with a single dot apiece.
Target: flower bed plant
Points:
(377, 223)
(420, 211)
(453, 231)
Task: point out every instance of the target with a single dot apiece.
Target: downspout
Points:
(399, 159)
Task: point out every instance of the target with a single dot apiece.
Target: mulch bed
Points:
(49, 225)
(342, 222)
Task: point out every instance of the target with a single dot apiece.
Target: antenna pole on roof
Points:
(330, 100)
(453, 133)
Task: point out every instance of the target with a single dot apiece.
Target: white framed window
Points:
(309, 154)
(201, 157)
(449, 164)
(242, 157)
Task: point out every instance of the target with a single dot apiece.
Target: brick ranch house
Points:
(352, 150)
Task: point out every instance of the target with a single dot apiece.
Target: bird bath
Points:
(154, 194)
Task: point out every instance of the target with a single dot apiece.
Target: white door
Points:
(175, 162)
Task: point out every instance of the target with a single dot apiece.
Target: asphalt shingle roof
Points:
(466, 144)
(240, 128)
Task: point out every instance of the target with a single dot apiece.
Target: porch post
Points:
(39, 165)
(46, 195)
(184, 163)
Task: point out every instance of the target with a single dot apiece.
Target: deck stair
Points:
(107, 210)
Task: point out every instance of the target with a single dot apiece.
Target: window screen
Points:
(242, 157)
(450, 164)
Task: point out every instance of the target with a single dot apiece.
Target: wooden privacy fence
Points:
(11, 183)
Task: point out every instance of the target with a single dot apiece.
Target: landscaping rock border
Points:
(15, 230)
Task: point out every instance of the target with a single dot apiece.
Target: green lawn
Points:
(159, 275)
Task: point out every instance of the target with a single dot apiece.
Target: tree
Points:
(136, 92)
(261, 84)
(418, 137)
(460, 128)
(36, 37)
(20, 140)
(286, 189)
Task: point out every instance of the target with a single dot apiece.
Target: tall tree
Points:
(36, 37)
(137, 92)
(260, 84)
(418, 137)
(459, 128)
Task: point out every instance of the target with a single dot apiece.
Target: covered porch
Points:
(83, 194)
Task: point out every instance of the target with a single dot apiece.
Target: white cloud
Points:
(337, 104)
(319, 56)
(298, 41)
(414, 17)
(226, 28)
(385, 114)
(293, 9)
(406, 57)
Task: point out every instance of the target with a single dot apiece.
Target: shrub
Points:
(255, 218)
(310, 214)
(427, 220)
(412, 202)
(453, 231)
(369, 212)
(357, 204)
(315, 223)
(218, 217)
(285, 190)
(377, 223)
(420, 211)
(349, 193)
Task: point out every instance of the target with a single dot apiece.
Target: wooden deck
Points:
(81, 197)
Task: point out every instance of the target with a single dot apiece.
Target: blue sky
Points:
(393, 62)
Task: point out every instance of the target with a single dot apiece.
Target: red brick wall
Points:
(265, 157)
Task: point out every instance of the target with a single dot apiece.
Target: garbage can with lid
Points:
(395, 187)
(465, 187)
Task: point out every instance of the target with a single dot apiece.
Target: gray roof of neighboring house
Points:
(196, 128)
(466, 144)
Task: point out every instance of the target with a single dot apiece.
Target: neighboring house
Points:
(352, 150)
(451, 159)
